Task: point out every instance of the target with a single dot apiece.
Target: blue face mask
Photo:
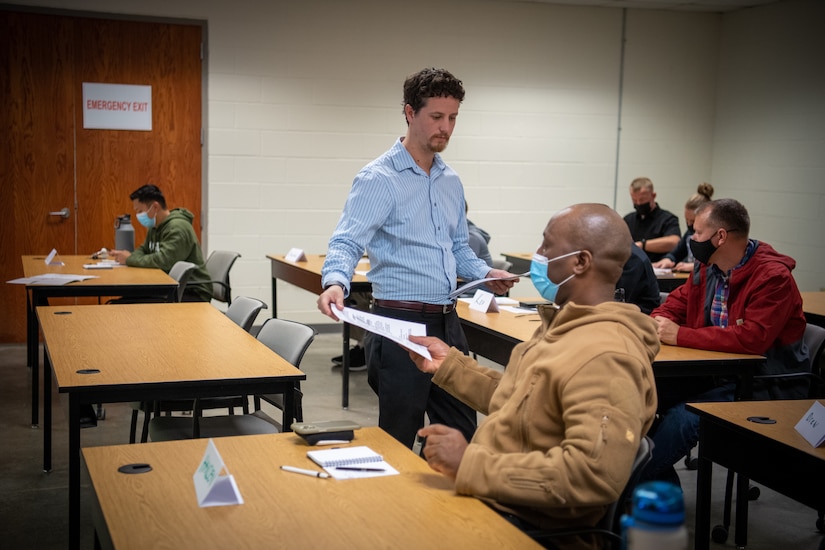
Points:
(538, 274)
(145, 220)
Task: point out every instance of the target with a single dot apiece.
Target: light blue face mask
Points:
(144, 220)
(538, 274)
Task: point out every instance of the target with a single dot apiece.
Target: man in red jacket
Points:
(741, 299)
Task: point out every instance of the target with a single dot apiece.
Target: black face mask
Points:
(690, 229)
(702, 250)
(642, 209)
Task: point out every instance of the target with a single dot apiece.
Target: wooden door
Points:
(50, 161)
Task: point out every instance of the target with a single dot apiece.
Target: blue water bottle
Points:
(657, 518)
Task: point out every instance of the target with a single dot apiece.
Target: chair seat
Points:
(170, 428)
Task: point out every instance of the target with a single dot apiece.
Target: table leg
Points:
(345, 370)
(74, 471)
(289, 407)
(741, 536)
(703, 497)
(32, 358)
(274, 298)
(47, 412)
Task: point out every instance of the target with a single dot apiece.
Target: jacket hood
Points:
(479, 230)
(180, 214)
(766, 253)
(561, 320)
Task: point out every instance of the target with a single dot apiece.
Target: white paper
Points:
(98, 266)
(213, 484)
(500, 300)
(484, 302)
(51, 279)
(662, 272)
(383, 466)
(396, 330)
(812, 425)
(478, 282)
(520, 310)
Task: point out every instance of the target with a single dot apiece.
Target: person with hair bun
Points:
(680, 258)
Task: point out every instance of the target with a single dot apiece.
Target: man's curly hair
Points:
(430, 82)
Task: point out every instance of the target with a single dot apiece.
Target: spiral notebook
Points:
(352, 462)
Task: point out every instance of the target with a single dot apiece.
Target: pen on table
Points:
(311, 473)
(358, 469)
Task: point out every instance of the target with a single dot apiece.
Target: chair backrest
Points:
(218, 265)
(814, 339)
(613, 517)
(289, 339)
(502, 264)
(181, 272)
(243, 311)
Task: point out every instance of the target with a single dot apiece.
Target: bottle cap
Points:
(659, 502)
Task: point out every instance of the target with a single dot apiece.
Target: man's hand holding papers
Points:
(396, 330)
(497, 280)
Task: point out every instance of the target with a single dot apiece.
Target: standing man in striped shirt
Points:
(406, 209)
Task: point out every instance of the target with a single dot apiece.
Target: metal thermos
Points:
(124, 233)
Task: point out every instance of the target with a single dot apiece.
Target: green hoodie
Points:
(172, 241)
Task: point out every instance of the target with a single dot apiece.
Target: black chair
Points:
(609, 528)
(814, 339)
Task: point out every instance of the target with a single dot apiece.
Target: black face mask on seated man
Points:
(642, 209)
(702, 250)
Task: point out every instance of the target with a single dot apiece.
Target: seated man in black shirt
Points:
(638, 284)
(654, 230)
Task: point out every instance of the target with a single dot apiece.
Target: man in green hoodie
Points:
(171, 238)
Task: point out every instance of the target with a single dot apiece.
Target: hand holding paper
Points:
(437, 349)
(502, 277)
(396, 330)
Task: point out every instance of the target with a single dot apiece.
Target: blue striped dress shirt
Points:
(412, 226)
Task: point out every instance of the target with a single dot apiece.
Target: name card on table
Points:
(295, 255)
(53, 258)
(484, 302)
(812, 425)
(213, 484)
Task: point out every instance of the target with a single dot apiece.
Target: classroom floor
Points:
(33, 504)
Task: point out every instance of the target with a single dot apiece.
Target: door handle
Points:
(63, 213)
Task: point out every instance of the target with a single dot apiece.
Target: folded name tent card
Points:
(484, 302)
(53, 258)
(214, 485)
(352, 462)
(812, 425)
(295, 255)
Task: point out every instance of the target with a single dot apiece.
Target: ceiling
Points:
(718, 6)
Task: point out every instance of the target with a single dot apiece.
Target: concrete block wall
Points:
(302, 93)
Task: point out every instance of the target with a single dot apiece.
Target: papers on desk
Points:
(812, 425)
(103, 264)
(396, 330)
(662, 272)
(478, 282)
(352, 462)
(51, 279)
(213, 484)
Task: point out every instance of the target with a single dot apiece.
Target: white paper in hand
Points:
(396, 330)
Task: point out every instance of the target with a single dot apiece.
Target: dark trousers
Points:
(404, 392)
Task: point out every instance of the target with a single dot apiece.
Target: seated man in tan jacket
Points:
(565, 418)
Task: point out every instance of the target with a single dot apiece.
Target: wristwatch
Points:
(644, 244)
